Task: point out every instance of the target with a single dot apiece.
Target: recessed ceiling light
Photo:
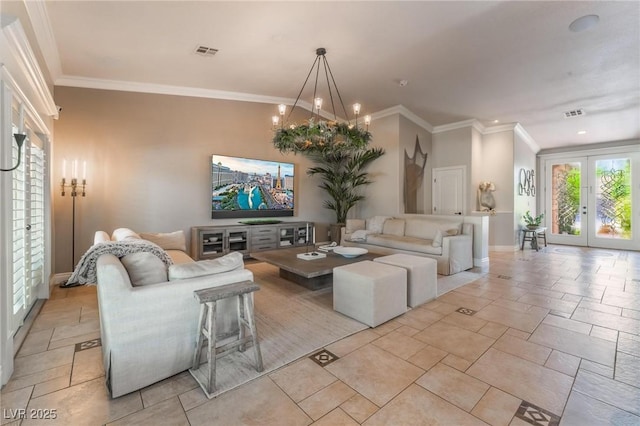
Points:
(403, 83)
(584, 23)
(496, 121)
(582, 132)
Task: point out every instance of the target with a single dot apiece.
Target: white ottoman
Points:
(422, 276)
(370, 292)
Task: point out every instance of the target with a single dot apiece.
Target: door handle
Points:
(28, 227)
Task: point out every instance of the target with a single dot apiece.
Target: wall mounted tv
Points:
(248, 188)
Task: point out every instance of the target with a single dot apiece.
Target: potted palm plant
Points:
(532, 222)
(340, 153)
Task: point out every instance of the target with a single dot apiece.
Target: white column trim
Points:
(41, 24)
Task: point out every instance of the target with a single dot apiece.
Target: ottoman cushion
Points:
(422, 276)
(370, 292)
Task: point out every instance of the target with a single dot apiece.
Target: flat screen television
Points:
(250, 188)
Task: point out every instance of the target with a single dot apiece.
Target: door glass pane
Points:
(565, 199)
(613, 198)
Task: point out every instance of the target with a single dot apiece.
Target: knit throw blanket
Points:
(85, 272)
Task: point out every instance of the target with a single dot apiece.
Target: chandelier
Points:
(316, 134)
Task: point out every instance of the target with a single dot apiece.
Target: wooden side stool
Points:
(205, 375)
(533, 235)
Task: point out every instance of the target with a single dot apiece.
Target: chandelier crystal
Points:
(316, 134)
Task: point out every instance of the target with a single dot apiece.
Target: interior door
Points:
(449, 190)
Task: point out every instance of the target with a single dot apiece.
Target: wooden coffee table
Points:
(312, 274)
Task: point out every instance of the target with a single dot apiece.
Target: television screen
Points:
(247, 188)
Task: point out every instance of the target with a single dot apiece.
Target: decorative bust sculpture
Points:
(485, 196)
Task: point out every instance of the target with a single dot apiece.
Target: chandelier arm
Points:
(315, 87)
(338, 92)
(326, 75)
(301, 89)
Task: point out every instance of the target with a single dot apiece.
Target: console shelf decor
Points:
(208, 242)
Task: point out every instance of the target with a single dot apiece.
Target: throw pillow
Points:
(121, 234)
(168, 241)
(376, 223)
(393, 227)
(437, 240)
(144, 268)
(452, 232)
(355, 225)
(229, 262)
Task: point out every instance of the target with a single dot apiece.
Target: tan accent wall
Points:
(148, 162)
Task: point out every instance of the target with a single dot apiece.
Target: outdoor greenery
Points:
(340, 153)
(570, 204)
(614, 203)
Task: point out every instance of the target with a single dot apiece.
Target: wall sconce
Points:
(19, 137)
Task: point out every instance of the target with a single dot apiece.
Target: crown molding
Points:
(459, 125)
(27, 64)
(526, 137)
(405, 112)
(39, 17)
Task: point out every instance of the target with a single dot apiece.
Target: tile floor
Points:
(542, 338)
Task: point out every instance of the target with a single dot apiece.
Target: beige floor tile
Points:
(569, 324)
(456, 362)
(628, 325)
(604, 333)
(51, 386)
(629, 343)
(69, 331)
(359, 407)
(441, 307)
(31, 364)
(524, 379)
(493, 330)
(336, 417)
(87, 365)
(518, 333)
(427, 357)
(326, 400)
(608, 391)
(269, 405)
(406, 330)
(35, 342)
(419, 318)
(380, 384)
(583, 290)
(71, 341)
(11, 404)
(450, 384)
(39, 377)
(399, 345)
(455, 340)
(564, 363)
(46, 321)
(631, 313)
(578, 344)
(523, 349)
(418, 406)
(525, 321)
(168, 412)
(621, 299)
(584, 410)
(461, 300)
(302, 378)
(594, 367)
(193, 398)
(168, 388)
(600, 307)
(465, 321)
(353, 342)
(85, 404)
(627, 369)
(572, 298)
(385, 328)
(496, 407)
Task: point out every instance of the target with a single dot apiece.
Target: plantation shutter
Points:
(19, 237)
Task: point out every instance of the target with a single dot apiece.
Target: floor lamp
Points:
(74, 193)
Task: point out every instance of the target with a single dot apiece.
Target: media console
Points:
(208, 242)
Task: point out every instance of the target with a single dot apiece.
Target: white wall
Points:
(454, 148)
(523, 158)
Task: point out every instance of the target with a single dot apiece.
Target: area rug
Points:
(292, 322)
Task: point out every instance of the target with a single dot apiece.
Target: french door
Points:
(593, 200)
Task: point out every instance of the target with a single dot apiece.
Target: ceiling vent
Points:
(205, 51)
(574, 113)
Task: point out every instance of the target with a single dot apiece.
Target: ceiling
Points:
(507, 61)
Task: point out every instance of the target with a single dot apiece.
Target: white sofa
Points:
(447, 239)
(149, 331)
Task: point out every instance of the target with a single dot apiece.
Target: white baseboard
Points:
(481, 262)
(59, 278)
